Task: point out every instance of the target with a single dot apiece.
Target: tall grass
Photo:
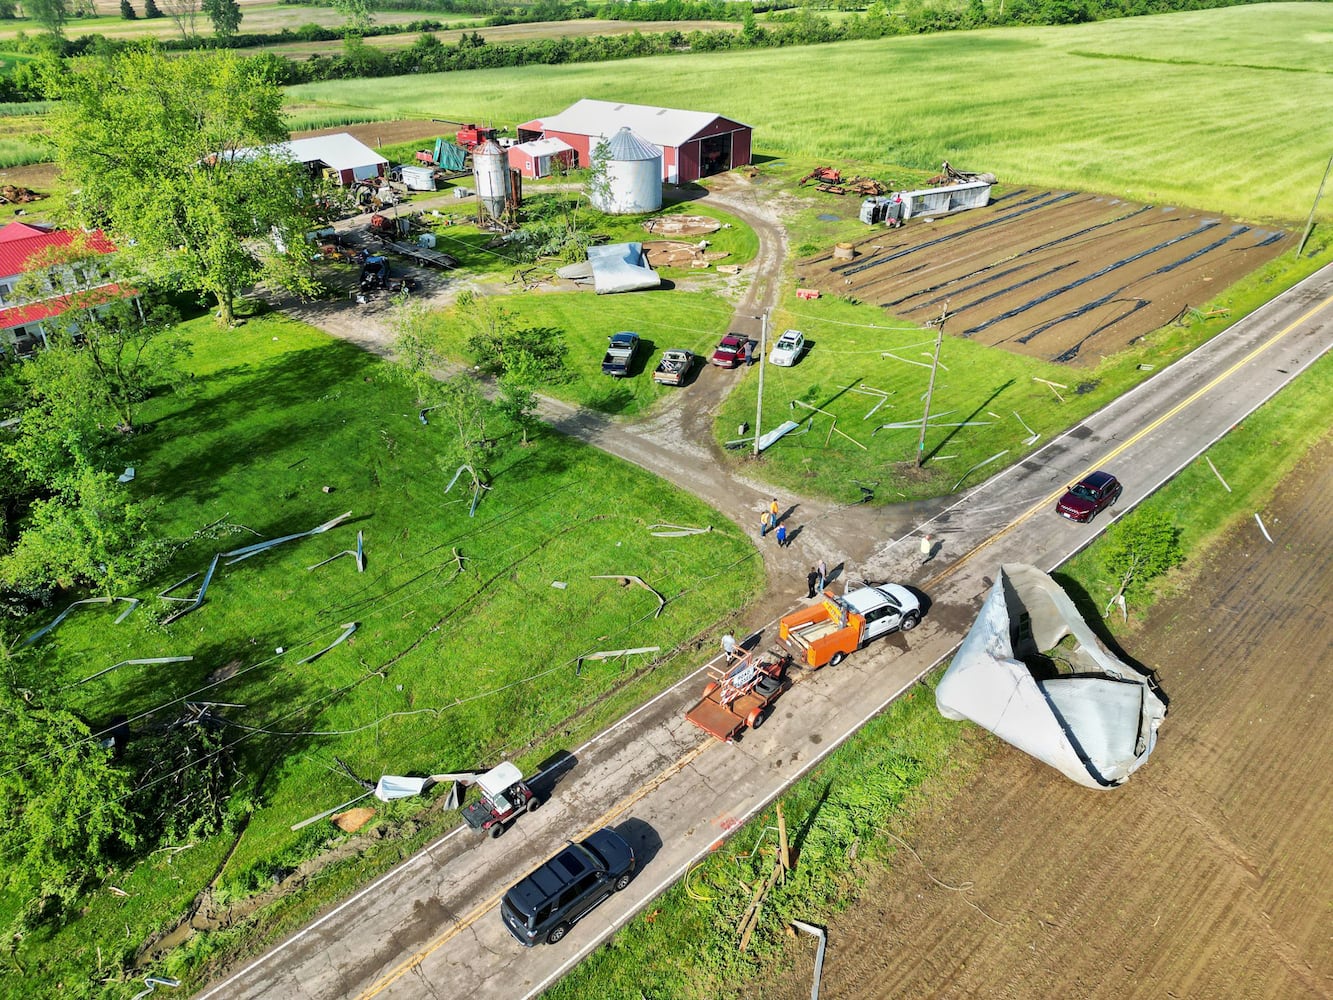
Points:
(1214, 109)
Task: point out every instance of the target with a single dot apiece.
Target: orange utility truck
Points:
(826, 632)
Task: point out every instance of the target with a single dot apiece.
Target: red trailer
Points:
(740, 693)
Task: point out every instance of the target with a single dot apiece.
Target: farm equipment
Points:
(504, 796)
(470, 135)
(376, 276)
(740, 694)
(824, 175)
(826, 632)
(446, 156)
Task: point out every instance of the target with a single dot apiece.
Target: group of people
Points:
(768, 521)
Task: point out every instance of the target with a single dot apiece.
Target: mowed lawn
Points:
(468, 628)
(1217, 109)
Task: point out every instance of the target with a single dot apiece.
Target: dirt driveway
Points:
(1207, 875)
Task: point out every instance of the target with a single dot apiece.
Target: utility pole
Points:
(1309, 223)
(939, 338)
(759, 407)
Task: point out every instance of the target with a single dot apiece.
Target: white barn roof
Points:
(340, 151)
(660, 126)
(544, 147)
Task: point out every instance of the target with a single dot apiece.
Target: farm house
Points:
(537, 158)
(694, 144)
(80, 283)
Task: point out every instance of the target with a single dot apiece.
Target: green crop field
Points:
(1215, 109)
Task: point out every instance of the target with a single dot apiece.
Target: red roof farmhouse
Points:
(694, 144)
(22, 249)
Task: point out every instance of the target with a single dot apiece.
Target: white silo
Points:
(491, 175)
(631, 181)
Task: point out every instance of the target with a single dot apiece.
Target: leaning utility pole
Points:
(939, 338)
(759, 406)
(1309, 223)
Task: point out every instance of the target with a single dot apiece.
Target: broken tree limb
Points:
(661, 601)
(347, 628)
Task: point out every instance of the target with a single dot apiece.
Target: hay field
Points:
(1212, 109)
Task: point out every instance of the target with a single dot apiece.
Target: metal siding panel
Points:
(689, 162)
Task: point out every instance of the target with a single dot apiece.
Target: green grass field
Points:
(683, 946)
(449, 669)
(1212, 109)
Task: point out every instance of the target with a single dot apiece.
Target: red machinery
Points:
(470, 135)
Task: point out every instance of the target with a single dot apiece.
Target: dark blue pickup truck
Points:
(620, 355)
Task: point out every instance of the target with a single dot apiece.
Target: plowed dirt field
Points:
(1056, 274)
(1207, 875)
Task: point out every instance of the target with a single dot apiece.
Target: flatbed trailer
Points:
(422, 255)
(739, 695)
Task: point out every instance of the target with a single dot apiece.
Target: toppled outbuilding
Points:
(1077, 707)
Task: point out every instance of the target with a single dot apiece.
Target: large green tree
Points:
(50, 14)
(64, 802)
(175, 158)
(224, 15)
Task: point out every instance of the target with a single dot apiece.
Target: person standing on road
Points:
(730, 646)
(927, 548)
(821, 571)
(811, 579)
(763, 524)
(782, 536)
(773, 511)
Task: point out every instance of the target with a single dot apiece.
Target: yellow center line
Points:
(1129, 442)
(476, 912)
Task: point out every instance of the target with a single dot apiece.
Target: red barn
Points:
(694, 144)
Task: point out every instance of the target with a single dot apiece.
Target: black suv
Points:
(565, 889)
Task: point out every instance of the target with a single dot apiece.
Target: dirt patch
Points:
(682, 225)
(1058, 275)
(1206, 875)
(39, 177)
(376, 134)
(675, 253)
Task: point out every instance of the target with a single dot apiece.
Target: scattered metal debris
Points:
(126, 663)
(127, 475)
(818, 932)
(1260, 522)
(906, 361)
(327, 812)
(359, 555)
(610, 654)
(132, 601)
(661, 601)
(154, 981)
(236, 555)
(477, 486)
(1054, 386)
(559, 584)
(1032, 435)
(348, 629)
(195, 601)
(1216, 473)
(974, 468)
(677, 530)
(882, 394)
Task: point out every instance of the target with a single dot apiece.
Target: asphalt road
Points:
(430, 928)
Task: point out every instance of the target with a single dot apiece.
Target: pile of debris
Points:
(831, 182)
(682, 225)
(948, 175)
(675, 253)
(10, 194)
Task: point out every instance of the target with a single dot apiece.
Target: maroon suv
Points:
(1089, 496)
